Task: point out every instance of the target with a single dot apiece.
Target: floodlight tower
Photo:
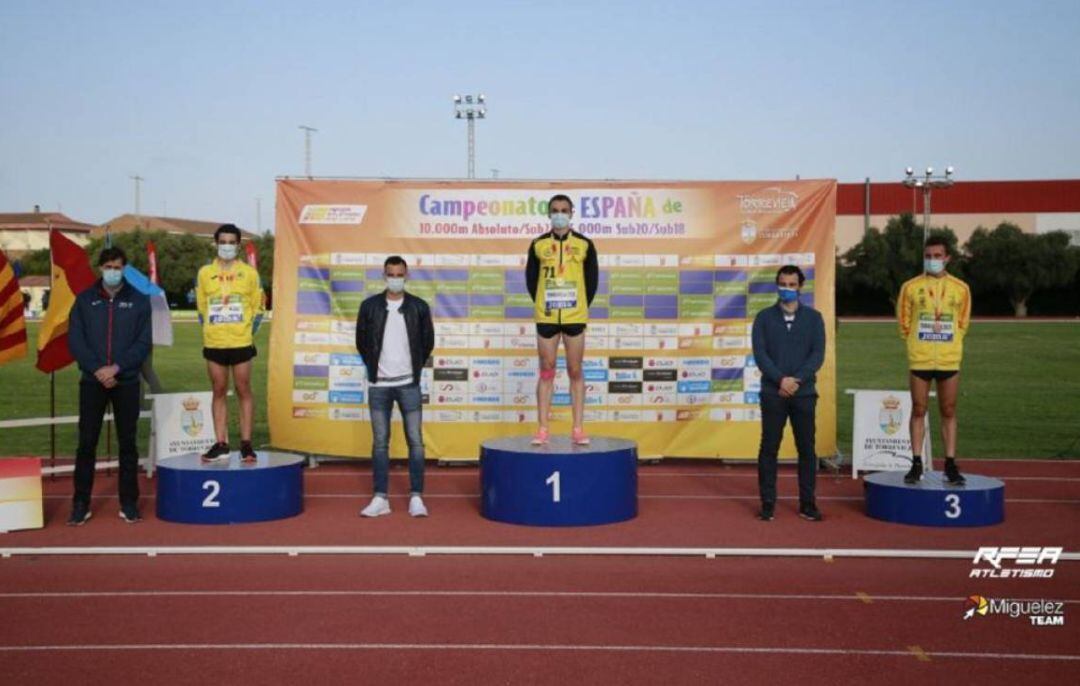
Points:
(927, 183)
(470, 108)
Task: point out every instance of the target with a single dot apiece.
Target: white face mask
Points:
(560, 220)
(227, 251)
(395, 284)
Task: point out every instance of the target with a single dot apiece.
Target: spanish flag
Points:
(71, 275)
(12, 324)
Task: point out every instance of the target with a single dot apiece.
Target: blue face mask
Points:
(560, 220)
(788, 295)
(934, 266)
(112, 277)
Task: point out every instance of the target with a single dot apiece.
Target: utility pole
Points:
(308, 130)
(138, 181)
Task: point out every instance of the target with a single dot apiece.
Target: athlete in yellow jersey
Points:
(562, 274)
(934, 311)
(229, 297)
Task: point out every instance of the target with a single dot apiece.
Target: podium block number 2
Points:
(214, 489)
(556, 491)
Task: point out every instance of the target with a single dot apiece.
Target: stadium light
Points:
(927, 183)
(470, 108)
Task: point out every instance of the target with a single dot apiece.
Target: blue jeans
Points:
(381, 402)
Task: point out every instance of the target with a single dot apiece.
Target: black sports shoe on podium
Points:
(953, 476)
(914, 474)
(219, 452)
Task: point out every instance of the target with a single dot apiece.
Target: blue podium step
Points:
(558, 484)
(190, 492)
(932, 502)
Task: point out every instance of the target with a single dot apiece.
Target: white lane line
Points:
(534, 551)
(534, 647)
(616, 595)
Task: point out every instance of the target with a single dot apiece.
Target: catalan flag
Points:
(12, 323)
(71, 275)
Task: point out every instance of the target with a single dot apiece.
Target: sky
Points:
(204, 99)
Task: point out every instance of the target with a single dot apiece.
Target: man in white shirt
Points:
(395, 337)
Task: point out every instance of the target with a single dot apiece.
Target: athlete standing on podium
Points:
(229, 297)
(562, 274)
(934, 311)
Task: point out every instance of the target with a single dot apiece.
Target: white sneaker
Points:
(378, 507)
(416, 507)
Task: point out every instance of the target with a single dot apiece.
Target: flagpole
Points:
(52, 426)
(52, 379)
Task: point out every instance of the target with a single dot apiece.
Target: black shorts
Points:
(552, 330)
(935, 374)
(228, 357)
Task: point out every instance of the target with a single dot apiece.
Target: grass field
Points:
(1020, 394)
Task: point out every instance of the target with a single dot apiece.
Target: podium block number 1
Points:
(556, 491)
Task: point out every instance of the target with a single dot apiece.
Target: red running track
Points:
(604, 620)
(680, 505)
(274, 619)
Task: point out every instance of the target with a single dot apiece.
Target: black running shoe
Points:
(219, 452)
(810, 512)
(914, 474)
(247, 453)
(767, 512)
(953, 477)
(130, 514)
(80, 514)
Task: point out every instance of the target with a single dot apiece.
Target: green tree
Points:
(264, 248)
(1007, 260)
(36, 263)
(179, 257)
(883, 260)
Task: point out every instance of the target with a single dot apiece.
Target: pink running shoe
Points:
(578, 436)
(541, 437)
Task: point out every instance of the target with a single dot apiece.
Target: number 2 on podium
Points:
(556, 491)
(211, 498)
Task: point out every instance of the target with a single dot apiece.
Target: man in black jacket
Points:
(395, 337)
(789, 348)
(109, 335)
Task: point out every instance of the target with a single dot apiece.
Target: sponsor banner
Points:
(684, 269)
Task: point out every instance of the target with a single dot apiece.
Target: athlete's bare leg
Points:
(575, 354)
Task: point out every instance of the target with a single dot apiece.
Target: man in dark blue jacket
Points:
(789, 348)
(109, 335)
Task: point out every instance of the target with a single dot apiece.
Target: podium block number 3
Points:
(556, 491)
(214, 489)
(953, 502)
